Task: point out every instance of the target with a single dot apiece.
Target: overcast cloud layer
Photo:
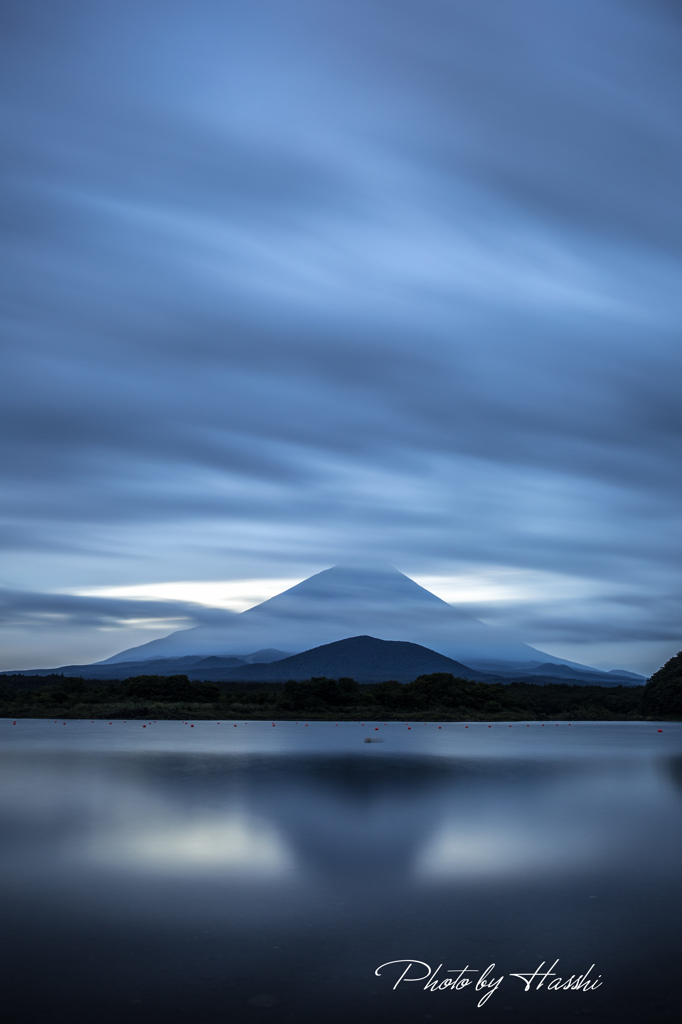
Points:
(290, 282)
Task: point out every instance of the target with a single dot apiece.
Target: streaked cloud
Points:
(399, 280)
(231, 595)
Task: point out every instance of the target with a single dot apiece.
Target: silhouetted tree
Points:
(662, 694)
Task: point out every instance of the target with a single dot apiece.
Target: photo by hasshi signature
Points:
(461, 978)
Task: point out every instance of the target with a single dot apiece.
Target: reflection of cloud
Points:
(236, 845)
(94, 813)
(470, 851)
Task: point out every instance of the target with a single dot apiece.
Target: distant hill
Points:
(265, 656)
(363, 658)
(193, 666)
(368, 659)
(592, 677)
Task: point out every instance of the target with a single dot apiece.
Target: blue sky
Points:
(290, 283)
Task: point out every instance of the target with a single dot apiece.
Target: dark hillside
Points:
(363, 658)
(663, 693)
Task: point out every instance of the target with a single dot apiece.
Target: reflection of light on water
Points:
(464, 851)
(238, 845)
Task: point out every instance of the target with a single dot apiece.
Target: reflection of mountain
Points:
(673, 768)
(154, 877)
(417, 818)
(349, 816)
(346, 602)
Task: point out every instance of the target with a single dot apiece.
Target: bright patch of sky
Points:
(232, 595)
(490, 584)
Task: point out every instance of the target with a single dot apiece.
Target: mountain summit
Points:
(342, 602)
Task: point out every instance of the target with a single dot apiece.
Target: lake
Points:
(263, 873)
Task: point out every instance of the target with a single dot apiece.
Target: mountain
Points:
(369, 660)
(349, 601)
(193, 666)
(363, 658)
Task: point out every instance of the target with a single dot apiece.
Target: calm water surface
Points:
(262, 874)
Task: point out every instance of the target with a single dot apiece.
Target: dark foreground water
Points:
(262, 874)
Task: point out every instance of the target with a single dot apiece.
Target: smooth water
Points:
(263, 873)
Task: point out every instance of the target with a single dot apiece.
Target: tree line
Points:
(435, 697)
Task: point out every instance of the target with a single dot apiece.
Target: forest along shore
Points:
(437, 697)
